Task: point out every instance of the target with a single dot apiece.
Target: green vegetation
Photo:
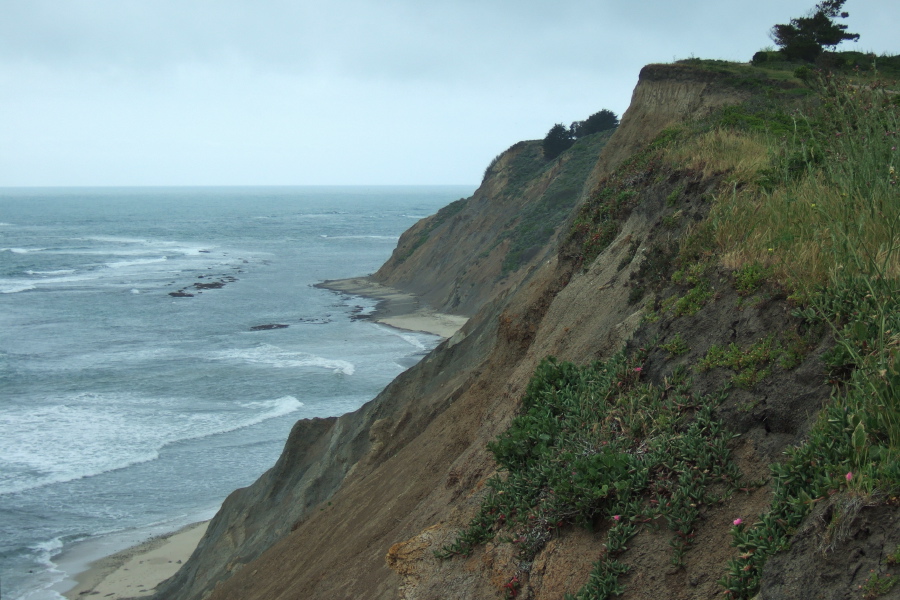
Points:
(809, 206)
(559, 139)
(677, 346)
(877, 585)
(830, 231)
(752, 364)
(750, 278)
(597, 222)
(813, 208)
(439, 218)
(537, 223)
(598, 448)
(602, 120)
(525, 164)
(805, 37)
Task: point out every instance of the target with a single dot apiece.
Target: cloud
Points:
(346, 91)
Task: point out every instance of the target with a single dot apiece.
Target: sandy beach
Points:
(136, 571)
(399, 309)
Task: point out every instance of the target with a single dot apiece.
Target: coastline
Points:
(136, 571)
(397, 309)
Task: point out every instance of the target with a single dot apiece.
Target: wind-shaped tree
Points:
(557, 141)
(805, 37)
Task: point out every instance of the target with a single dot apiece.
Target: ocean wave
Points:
(90, 434)
(273, 356)
(136, 263)
(12, 286)
(391, 238)
(273, 409)
(57, 272)
(22, 250)
(41, 587)
(125, 246)
(117, 239)
(413, 339)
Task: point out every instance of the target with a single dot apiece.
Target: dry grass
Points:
(841, 216)
(720, 150)
(810, 232)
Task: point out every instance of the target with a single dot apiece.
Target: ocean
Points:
(141, 377)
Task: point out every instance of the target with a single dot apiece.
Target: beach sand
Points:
(398, 309)
(136, 571)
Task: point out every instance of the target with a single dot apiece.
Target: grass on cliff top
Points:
(822, 219)
(830, 203)
(813, 204)
(769, 70)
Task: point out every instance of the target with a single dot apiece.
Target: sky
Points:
(339, 92)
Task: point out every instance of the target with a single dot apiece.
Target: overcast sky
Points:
(303, 92)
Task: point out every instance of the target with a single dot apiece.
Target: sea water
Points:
(141, 380)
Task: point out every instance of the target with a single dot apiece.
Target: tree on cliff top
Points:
(804, 37)
(557, 141)
(599, 121)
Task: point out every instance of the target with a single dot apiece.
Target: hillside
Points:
(716, 284)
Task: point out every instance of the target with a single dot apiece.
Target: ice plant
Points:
(617, 517)
(738, 521)
(849, 476)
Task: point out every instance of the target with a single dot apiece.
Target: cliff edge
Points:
(621, 284)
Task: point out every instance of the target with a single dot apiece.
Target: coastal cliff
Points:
(600, 252)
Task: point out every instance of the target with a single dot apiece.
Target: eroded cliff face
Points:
(665, 95)
(482, 247)
(398, 477)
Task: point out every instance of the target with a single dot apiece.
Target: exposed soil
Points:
(838, 554)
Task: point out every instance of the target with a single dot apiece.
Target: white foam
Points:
(22, 250)
(124, 246)
(12, 286)
(136, 263)
(57, 272)
(410, 338)
(49, 577)
(117, 239)
(273, 409)
(89, 434)
(272, 356)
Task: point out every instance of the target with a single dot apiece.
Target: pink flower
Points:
(616, 517)
(849, 476)
(638, 369)
(738, 521)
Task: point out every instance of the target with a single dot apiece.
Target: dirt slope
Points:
(482, 247)
(397, 478)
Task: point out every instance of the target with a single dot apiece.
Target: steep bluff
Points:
(347, 489)
(400, 476)
(481, 247)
